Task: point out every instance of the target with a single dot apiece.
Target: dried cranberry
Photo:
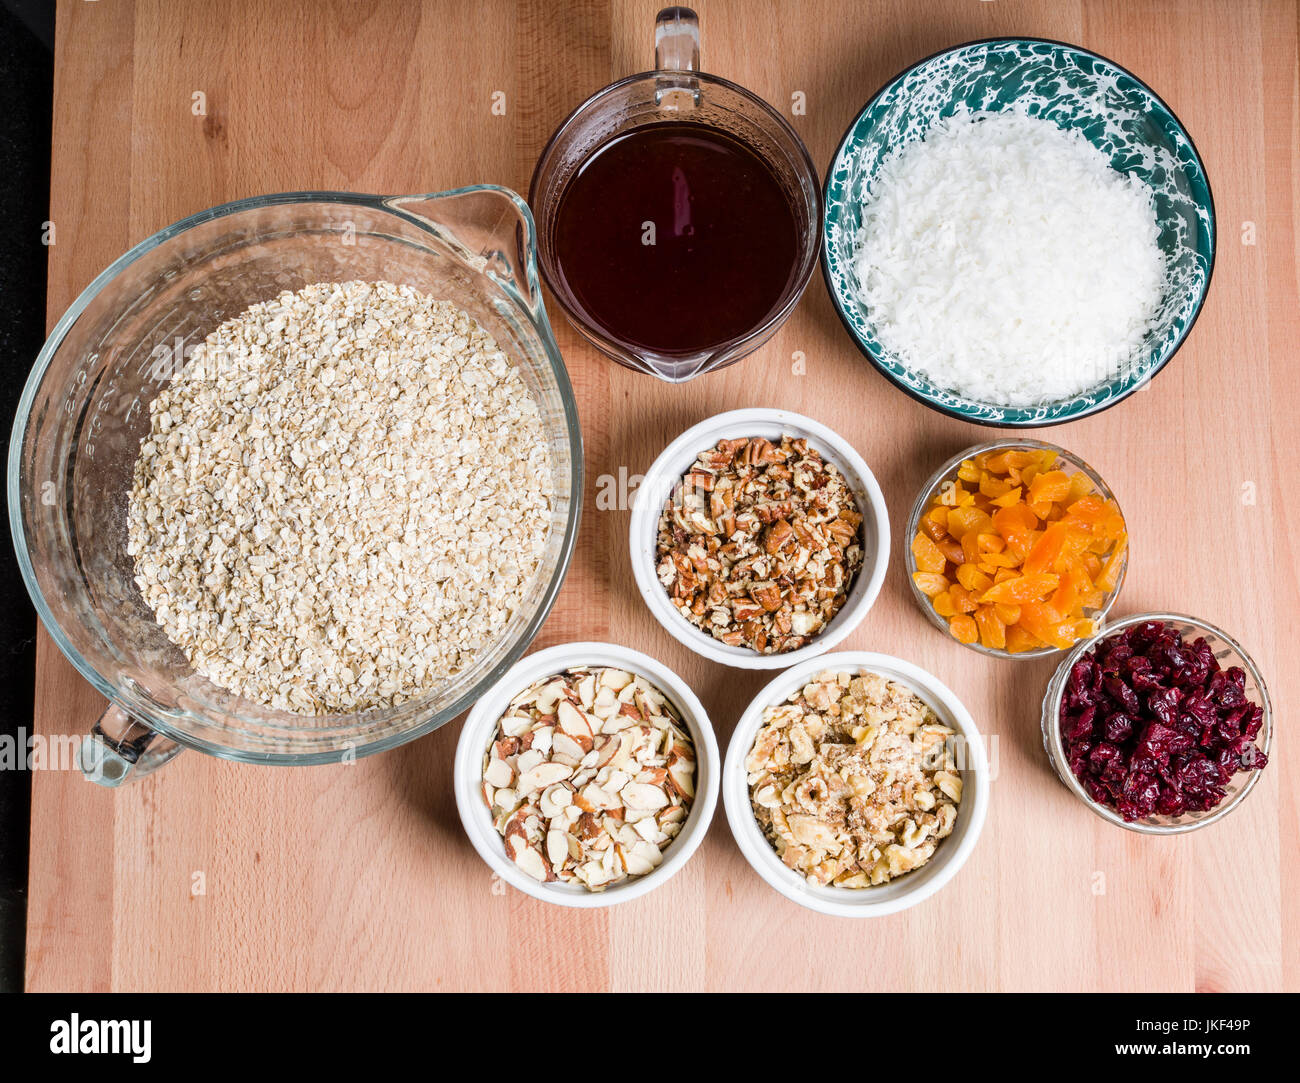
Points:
(1152, 724)
(1118, 727)
(1164, 705)
(1081, 725)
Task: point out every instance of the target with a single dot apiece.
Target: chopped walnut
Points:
(854, 780)
(759, 543)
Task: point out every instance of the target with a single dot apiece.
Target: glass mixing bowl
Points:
(86, 407)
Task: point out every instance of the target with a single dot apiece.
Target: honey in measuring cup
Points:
(678, 215)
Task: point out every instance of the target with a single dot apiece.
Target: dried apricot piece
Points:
(1050, 487)
(1080, 486)
(974, 580)
(1109, 577)
(930, 583)
(1011, 459)
(1045, 551)
(1019, 640)
(1075, 586)
(1083, 627)
(962, 599)
(993, 633)
(1090, 509)
(963, 519)
(993, 487)
(963, 628)
(1073, 546)
(952, 551)
(943, 605)
(1007, 612)
(1023, 588)
(932, 530)
(927, 554)
(1015, 519)
(1041, 620)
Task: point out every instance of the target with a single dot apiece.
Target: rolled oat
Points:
(342, 500)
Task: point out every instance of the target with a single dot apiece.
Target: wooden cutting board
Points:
(359, 877)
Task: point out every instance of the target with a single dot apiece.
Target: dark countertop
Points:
(26, 86)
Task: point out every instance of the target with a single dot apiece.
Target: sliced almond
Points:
(582, 783)
(530, 860)
(615, 679)
(605, 704)
(541, 776)
(639, 795)
(514, 725)
(528, 760)
(554, 800)
(498, 773)
(557, 847)
(682, 776)
(606, 748)
(573, 721)
(566, 749)
(598, 798)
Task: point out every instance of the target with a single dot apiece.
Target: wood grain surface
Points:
(359, 877)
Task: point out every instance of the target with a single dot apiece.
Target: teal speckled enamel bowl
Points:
(1113, 109)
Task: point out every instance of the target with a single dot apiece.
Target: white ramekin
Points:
(912, 887)
(677, 458)
(481, 724)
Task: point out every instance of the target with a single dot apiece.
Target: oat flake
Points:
(343, 498)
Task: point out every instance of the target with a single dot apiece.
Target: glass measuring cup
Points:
(86, 407)
(677, 92)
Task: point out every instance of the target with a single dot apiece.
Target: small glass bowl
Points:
(948, 472)
(1229, 653)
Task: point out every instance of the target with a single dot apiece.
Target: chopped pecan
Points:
(777, 535)
(768, 595)
(759, 544)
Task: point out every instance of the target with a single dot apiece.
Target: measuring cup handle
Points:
(677, 40)
(119, 749)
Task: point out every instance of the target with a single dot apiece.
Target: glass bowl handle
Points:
(677, 53)
(677, 40)
(120, 749)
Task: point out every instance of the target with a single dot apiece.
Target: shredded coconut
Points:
(1006, 260)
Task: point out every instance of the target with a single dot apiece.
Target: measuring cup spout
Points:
(492, 229)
